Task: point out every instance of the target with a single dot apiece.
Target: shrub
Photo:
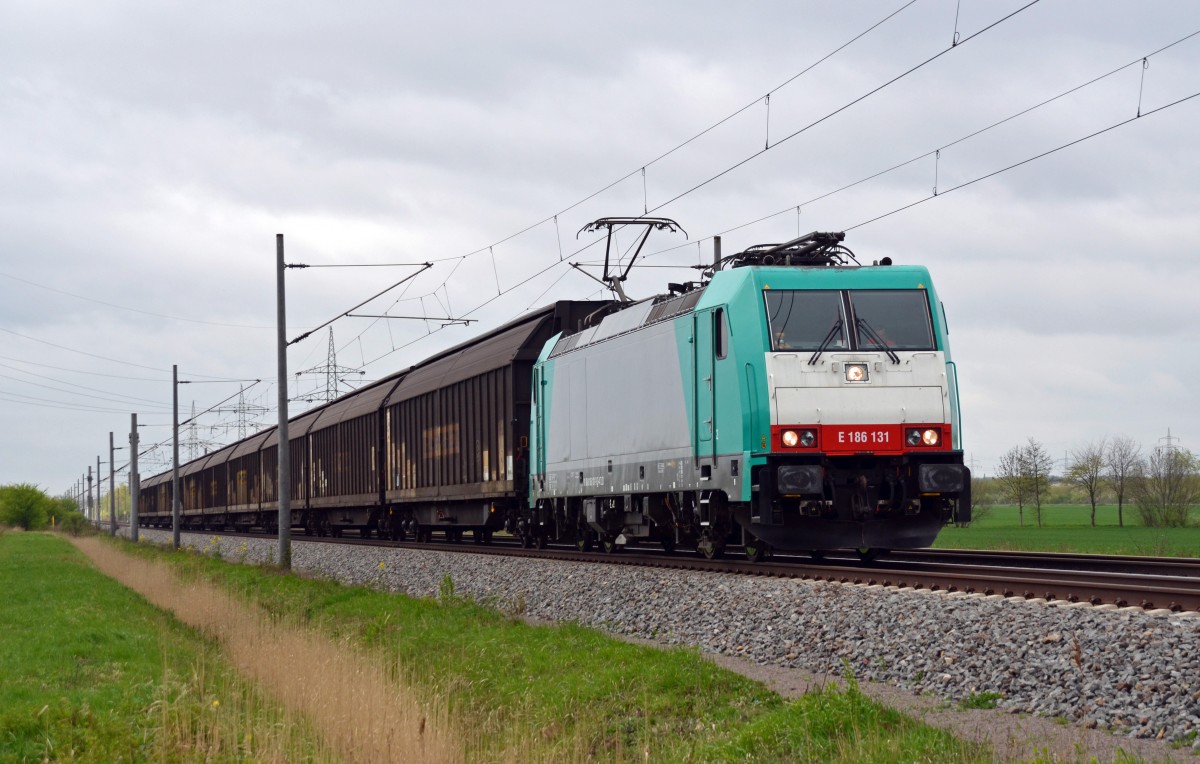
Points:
(24, 506)
(1165, 487)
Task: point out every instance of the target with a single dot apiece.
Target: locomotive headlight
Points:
(856, 372)
(927, 437)
(798, 438)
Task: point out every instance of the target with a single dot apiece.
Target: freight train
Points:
(790, 399)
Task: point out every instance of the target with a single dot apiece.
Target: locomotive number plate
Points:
(856, 438)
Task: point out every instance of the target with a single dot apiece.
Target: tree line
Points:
(1162, 485)
(25, 506)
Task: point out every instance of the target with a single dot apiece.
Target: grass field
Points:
(1067, 528)
(89, 672)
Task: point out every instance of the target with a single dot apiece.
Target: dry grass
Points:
(359, 706)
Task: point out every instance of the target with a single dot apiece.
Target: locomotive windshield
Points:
(806, 319)
(892, 319)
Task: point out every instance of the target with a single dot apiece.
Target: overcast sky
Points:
(151, 151)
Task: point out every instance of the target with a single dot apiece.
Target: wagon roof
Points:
(251, 444)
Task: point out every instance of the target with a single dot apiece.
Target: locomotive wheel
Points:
(668, 544)
(756, 550)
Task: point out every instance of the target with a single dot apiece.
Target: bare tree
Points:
(1038, 463)
(1167, 484)
(1120, 461)
(1014, 484)
(1087, 470)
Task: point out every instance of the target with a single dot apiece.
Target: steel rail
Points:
(1008, 574)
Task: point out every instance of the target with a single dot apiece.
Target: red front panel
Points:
(857, 438)
(882, 439)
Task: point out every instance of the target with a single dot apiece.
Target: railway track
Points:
(1150, 583)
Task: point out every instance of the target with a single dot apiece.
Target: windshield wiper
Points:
(874, 336)
(834, 331)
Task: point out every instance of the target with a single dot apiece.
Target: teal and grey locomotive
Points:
(792, 400)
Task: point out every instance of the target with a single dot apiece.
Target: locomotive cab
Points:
(864, 437)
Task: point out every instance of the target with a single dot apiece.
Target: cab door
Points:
(705, 413)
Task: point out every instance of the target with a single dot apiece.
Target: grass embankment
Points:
(514, 691)
(89, 672)
(1067, 528)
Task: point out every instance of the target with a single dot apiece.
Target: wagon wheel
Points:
(668, 544)
(539, 541)
(585, 542)
(710, 548)
(817, 554)
(609, 545)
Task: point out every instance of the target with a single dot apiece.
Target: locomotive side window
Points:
(894, 318)
(720, 340)
(806, 319)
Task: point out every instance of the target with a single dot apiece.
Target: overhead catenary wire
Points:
(43, 386)
(106, 358)
(82, 371)
(53, 404)
(839, 110)
(929, 153)
(424, 267)
(1054, 150)
(127, 308)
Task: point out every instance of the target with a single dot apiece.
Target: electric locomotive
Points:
(792, 399)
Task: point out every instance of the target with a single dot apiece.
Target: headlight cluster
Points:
(857, 372)
(798, 438)
(928, 437)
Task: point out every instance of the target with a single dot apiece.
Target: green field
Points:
(1067, 528)
(89, 672)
